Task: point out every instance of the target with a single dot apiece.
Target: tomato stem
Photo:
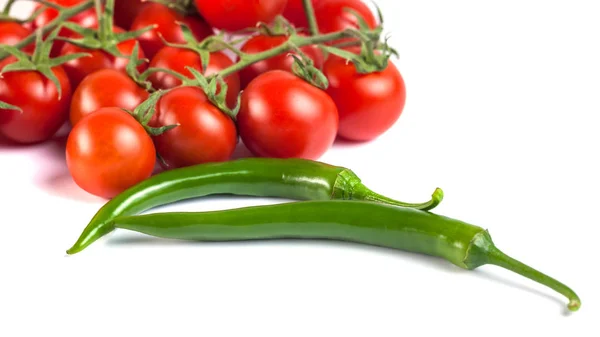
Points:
(309, 11)
(294, 42)
(63, 16)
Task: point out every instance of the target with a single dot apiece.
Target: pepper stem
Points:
(498, 258)
(361, 192)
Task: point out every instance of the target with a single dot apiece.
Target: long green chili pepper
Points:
(286, 178)
(464, 245)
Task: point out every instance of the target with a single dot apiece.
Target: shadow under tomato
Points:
(241, 151)
(347, 143)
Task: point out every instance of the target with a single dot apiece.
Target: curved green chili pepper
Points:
(464, 245)
(287, 178)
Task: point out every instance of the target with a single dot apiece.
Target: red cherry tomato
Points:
(368, 104)
(205, 134)
(166, 19)
(87, 19)
(44, 112)
(102, 89)
(260, 43)
(79, 68)
(12, 33)
(177, 59)
(108, 152)
(294, 12)
(332, 16)
(234, 15)
(127, 10)
(283, 116)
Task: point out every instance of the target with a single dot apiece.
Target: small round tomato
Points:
(260, 43)
(87, 19)
(294, 12)
(127, 10)
(166, 19)
(79, 68)
(204, 134)
(283, 116)
(109, 152)
(368, 104)
(332, 15)
(178, 59)
(12, 33)
(234, 15)
(102, 89)
(43, 111)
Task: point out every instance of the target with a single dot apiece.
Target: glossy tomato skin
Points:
(235, 15)
(43, 111)
(178, 59)
(204, 134)
(102, 89)
(282, 116)
(368, 104)
(332, 17)
(294, 12)
(12, 33)
(166, 19)
(87, 19)
(126, 11)
(260, 43)
(108, 152)
(79, 68)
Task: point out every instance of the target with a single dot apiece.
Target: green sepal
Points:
(132, 68)
(40, 61)
(210, 88)
(304, 68)
(144, 112)
(6, 106)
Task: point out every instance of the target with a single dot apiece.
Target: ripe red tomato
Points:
(127, 10)
(294, 12)
(78, 69)
(102, 89)
(12, 33)
(283, 116)
(166, 19)
(87, 19)
(260, 43)
(332, 16)
(177, 59)
(368, 104)
(205, 134)
(108, 152)
(43, 111)
(234, 15)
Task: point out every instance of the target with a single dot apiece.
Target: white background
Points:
(502, 113)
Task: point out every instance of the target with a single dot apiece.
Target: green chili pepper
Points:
(287, 178)
(464, 245)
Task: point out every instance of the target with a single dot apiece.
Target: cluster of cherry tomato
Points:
(280, 115)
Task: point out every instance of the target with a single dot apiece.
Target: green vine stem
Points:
(64, 15)
(309, 11)
(295, 41)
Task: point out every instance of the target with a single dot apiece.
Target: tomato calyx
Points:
(373, 57)
(215, 89)
(144, 112)
(40, 61)
(132, 69)
(104, 37)
(304, 68)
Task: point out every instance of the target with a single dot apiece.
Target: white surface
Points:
(502, 113)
